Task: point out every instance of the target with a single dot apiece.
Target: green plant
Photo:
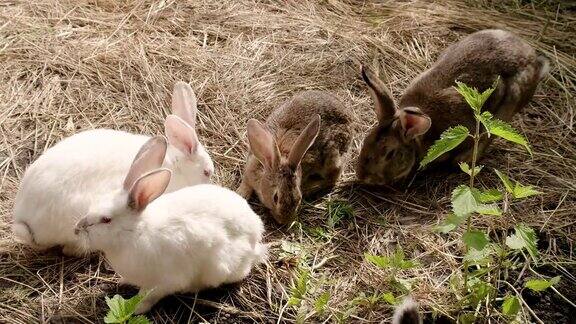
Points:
(485, 261)
(306, 295)
(337, 210)
(121, 311)
(392, 264)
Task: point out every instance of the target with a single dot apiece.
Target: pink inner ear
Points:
(410, 122)
(142, 198)
(414, 125)
(181, 135)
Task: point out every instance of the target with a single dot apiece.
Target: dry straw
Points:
(67, 66)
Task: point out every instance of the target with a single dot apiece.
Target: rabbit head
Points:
(186, 156)
(391, 149)
(279, 185)
(115, 215)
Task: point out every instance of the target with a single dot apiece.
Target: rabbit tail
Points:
(407, 313)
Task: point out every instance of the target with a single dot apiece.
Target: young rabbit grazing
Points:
(430, 104)
(185, 241)
(299, 152)
(60, 185)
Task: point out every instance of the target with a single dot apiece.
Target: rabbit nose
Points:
(81, 225)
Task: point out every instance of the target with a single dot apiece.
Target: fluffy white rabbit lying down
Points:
(194, 238)
(62, 183)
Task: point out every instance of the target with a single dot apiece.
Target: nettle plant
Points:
(486, 263)
(121, 311)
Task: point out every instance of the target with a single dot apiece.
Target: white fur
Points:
(58, 188)
(194, 238)
(60, 185)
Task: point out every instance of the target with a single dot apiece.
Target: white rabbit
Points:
(60, 185)
(194, 238)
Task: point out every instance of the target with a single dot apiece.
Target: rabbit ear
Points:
(414, 122)
(150, 157)
(147, 188)
(184, 103)
(262, 144)
(181, 134)
(385, 107)
(304, 141)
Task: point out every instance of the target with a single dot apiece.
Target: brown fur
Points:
(320, 166)
(388, 154)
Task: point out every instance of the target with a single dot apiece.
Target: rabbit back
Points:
(322, 164)
(477, 60)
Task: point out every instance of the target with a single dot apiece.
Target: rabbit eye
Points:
(105, 220)
(388, 155)
(275, 197)
(207, 172)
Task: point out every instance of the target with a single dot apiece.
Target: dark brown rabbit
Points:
(298, 152)
(430, 104)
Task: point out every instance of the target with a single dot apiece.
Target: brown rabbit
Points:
(299, 152)
(430, 104)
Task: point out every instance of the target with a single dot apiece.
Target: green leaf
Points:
(132, 303)
(521, 191)
(529, 236)
(290, 249)
(378, 260)
(479, 257)
(120, 309)
(389, 298)
(489, 209)
(140, 319)
(338, 210)
(506, 131)
(463, 201)
(449, 224)
(450, 138)
(505, 180)
(403, 285)
(541, 284)
(485, 118)
(396, 261)
(515, 242)
(511, 305)
(293, 301)
(466, 168)
(299, 288)
(486, 94)
(490, 195)
(321, 302)
(479, 290)
(115, 311)
(473, 97)
(400, 262)
(475, 239)
(470, 95)
(467, 318)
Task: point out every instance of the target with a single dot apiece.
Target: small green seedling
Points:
(121, 311)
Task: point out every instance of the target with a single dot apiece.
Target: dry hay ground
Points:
(67, 66)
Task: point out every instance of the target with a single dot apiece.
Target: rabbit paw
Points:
(245, 190)
(144, 307)
(71, 251)
(152, 297)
